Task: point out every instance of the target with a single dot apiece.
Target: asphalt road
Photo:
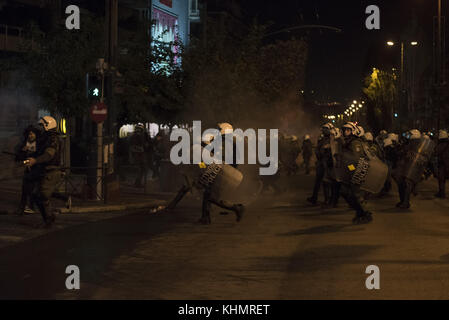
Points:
(282, 249)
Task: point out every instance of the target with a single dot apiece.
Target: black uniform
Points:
(48, 162)
(307, 154)
(322, 153)
(390, 154)
(353, 148)
(139, 142)
(442, 154)
(414, 159)
(208, 197)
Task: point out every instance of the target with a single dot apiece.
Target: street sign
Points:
(98, 112)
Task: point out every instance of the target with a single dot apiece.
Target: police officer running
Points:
(48, 159)
(352, 149)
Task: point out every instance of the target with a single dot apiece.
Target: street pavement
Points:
(283, 248)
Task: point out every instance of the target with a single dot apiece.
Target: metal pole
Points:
(99, 180)
(439, 66)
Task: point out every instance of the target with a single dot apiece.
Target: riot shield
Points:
(367, 172)
(416, 159)
(221, 179)
(370, 173)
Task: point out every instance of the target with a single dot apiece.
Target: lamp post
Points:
(402, 84)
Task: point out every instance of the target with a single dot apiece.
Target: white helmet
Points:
(48, 123)
(387, 142)
(443, 134)
(414, 134)
(361, 132)
(336, 132)
(306, 137)
(394, 137)
(225, 128)
(353, 127)
(327, 128)
(208, 137)
(369, 136)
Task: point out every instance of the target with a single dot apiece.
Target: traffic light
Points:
(93, 86)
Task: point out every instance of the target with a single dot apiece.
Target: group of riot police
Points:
(351, 163)
(216, 179)
(40, 154)
(289, 150)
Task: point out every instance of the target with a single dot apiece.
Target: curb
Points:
(119, 207)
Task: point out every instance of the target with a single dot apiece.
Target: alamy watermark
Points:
(191, 152)
(372, 22)
(73, 20)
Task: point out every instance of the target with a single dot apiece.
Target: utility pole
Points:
(439, 65)
(111, 26)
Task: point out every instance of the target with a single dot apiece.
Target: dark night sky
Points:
(339, 62)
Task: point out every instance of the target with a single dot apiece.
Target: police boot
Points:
(440, 195)
(204, 220)
(20, 210)
(403, 205)
(363, 218)
(239, 210)
(312, 200)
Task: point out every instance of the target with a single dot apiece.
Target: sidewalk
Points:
(130, 199)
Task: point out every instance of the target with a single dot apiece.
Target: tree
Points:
(151, 78)
(241, 79)
(59, 66)
(381, 95)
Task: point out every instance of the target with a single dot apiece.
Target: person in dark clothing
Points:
(138, 144)
(159, 150)
(352, 148)
(48, 161)
(307, 152)
(27, 149)
(390, 156)
(322, 153)
(207, 179)
(414, 158)
(442, 154)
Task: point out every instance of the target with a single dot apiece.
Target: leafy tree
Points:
(151, 78)
(58, 67)
(241, 79)
(381, 94)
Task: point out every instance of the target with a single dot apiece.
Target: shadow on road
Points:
(321, 229)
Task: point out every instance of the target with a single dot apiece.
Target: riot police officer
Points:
(307, 152)
(381, 137)
(323, 154)
(138, 146)
(207, 184)
(442, 154)
(414, 158)
(352, 150)
(48, 159)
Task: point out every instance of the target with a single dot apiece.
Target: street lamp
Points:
(402, 82)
